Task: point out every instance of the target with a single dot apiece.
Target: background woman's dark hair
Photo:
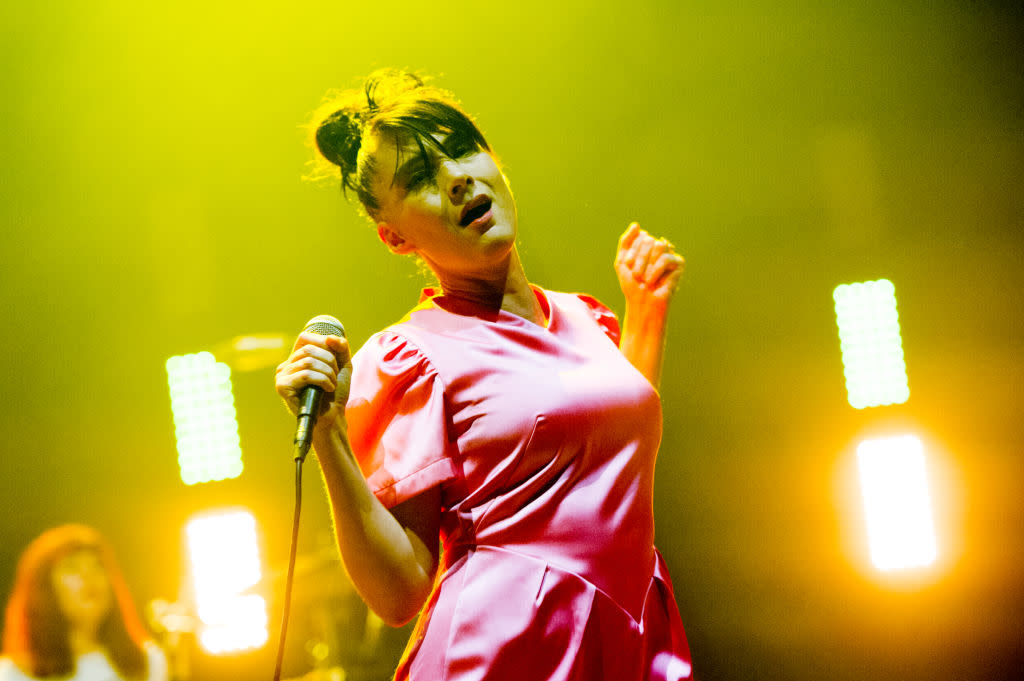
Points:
(391, 102)
(36, 631)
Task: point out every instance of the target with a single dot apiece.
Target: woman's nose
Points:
(460, 184)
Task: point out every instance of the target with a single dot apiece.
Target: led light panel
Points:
(204, 418)
(224, 555)
(897, 505)
(869, 336)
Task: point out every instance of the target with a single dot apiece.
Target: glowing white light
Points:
(669, 667)
(225, 561)
(869, 336)
(897, 506)
(204, 418)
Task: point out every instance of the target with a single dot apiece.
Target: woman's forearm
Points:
(391, 565)
(643, 339)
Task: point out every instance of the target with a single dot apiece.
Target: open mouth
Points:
(474, 210)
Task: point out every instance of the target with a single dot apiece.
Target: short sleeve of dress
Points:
(396, 419)
(604, 317)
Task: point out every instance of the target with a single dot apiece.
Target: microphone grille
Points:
(325, 325)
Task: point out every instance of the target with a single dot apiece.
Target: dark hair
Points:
(391, 102)
(35, 629)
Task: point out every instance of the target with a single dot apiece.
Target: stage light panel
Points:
(205, 424)
(223, 551)
(869, 337)
(897, 505)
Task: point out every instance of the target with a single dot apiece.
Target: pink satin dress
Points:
(543, 441)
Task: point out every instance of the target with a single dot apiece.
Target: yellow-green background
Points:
(151, 204)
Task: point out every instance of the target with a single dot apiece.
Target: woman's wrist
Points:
(646, 317)
(330, 440)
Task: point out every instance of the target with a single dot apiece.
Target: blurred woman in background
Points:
(70, 615)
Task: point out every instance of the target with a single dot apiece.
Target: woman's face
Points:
(455, 211)
(82, 588)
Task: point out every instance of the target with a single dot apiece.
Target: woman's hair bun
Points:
(339, 134)
(338, 138)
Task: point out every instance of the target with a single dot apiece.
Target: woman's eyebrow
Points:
(421, 154)
(405, 168)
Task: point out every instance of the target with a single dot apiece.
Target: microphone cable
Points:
(291, 566)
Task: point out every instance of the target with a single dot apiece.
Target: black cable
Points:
(291, 568)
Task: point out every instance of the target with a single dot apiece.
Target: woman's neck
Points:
(83, 641)
(507, 290)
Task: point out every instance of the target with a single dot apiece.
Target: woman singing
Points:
(489, 458)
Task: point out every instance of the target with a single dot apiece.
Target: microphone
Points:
(309, 400)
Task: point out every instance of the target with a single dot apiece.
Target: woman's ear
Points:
(392, 239)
